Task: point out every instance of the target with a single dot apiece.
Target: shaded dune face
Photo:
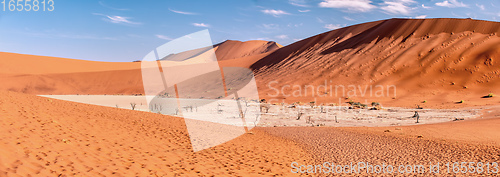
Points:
(430, 59)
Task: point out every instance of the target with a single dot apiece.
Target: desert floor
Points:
(49, 137)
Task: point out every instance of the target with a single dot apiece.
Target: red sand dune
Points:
(442, 61)
(236, 49)
(51, 75)
(11, 63)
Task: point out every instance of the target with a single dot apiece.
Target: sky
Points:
(126, 30)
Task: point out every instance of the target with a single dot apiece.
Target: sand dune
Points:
(437, 61)
(12, 63)
(51, 75)
(231, 49)
(96, 83)
(440, 61)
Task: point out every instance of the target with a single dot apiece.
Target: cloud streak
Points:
(332, 26)
(298, 3)
(182, 12)
(421, 16)
(451, 4)
(117, 19)
(275, 13)
(398, 7)
(349, 5)
(201, 25)
(159, 36)
(282, 36)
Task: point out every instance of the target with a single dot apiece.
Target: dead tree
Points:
(416, 116)
(264, 106)
(299, 114)
(132, 105)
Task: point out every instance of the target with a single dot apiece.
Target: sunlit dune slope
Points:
(439, 61)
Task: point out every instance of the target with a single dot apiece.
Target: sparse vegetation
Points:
(376, 106)
(425, 101)
(461, 101)
(132, 105)
(357, 104)
(490, 95)
(312, 104)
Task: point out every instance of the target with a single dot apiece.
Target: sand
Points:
(42, 75)
(436, 61)
(48, 137)
(42, 136)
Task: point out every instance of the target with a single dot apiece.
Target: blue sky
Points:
(122, 30)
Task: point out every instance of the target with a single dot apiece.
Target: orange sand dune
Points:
(440, 61)
(231, 49)
(46, 137)
(12, 63)
(50, 75)
(96, 83)
(228, 50)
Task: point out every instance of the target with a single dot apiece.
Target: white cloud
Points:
(182, 12)
(117, 19)
(397, 6)
(201, 25)
(425, 7)
(332, 26)
(163, 37)
(298, 3)
(349, 5)
(264, 39)
(348, 18)
(451, 4)
(304, 10)
(275, 13)
(480, 6)
(282, 36)
(421, 16)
